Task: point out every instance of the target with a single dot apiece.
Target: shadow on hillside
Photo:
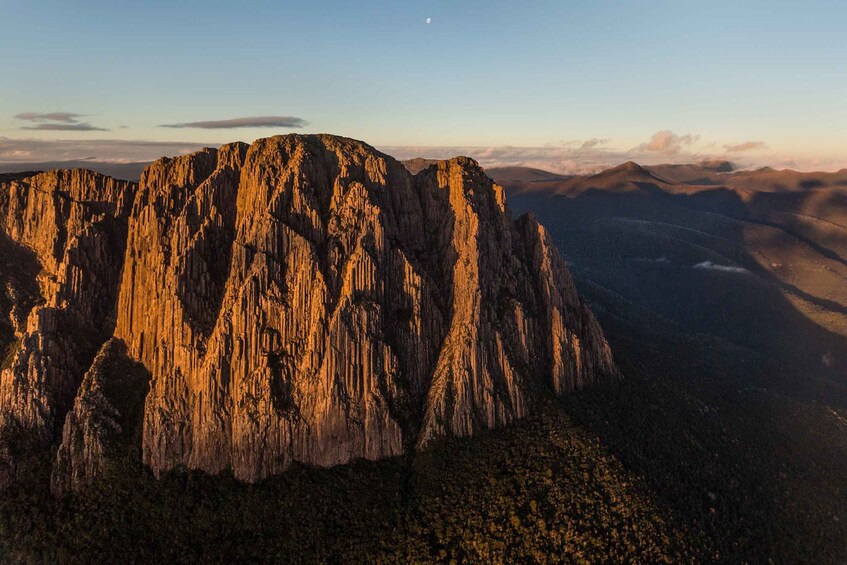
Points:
(724, 409)
(726, 202)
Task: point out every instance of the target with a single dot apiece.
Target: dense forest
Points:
(541, 490)
(628, 472)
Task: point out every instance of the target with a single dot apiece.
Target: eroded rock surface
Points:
(105, 422)
(72, 225)
(306, 298)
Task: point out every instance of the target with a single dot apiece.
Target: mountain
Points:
(765, 179)
(499, 174)
(794, 239)
(9, 177)
(769, 180)
(523, 174)
(624, 177)
(63, 242)
(726, 306)
(704, 172)
(418, 164)
(304, 299)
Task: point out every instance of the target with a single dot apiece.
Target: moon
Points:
(429, 20)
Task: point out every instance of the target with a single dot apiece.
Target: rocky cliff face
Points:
(64, 235)
(304, 299)
(104, 424)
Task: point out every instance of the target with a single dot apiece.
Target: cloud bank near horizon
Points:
(746, 146)
(108, 150)
(666, 142)
(565, 157)
(579, 157)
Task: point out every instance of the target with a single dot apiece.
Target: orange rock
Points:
(308, 299)
(75, 223)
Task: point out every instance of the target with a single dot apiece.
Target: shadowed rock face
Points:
(308, 299)
(105, 419)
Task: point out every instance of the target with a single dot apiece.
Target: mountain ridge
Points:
(301, 299)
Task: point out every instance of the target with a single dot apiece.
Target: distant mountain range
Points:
(702, 173)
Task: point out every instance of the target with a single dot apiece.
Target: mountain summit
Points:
(301, 299)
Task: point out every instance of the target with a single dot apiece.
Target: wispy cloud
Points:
(572, 157)
(66, 117)
(56, 121)
(113, 150)
(576, 157)
(668, 143)
(593, 142)
(249, 122)
(64, 127)
(746, 146)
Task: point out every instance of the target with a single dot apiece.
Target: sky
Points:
(566, 85)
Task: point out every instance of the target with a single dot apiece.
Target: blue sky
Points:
(482, 75)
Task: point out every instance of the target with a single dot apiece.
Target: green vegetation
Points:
(539, 491)
(671, 465)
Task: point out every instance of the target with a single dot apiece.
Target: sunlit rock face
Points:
(62, 252)
(306, 298)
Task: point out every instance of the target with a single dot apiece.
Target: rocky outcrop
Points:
(105, 421)
(307, 299)
(341, 309)
(72, 225)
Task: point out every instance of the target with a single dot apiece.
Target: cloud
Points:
(17, 154)
(250, 122)
(83, 126)
(708, 265)
(574, 157)
(593, 142)
(112, 150)
(568, 158)
(579, 144)
(66, 117)
(56, 121)
(667, 142)
(746, 146)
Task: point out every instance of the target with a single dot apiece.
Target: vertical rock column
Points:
(75, 223)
